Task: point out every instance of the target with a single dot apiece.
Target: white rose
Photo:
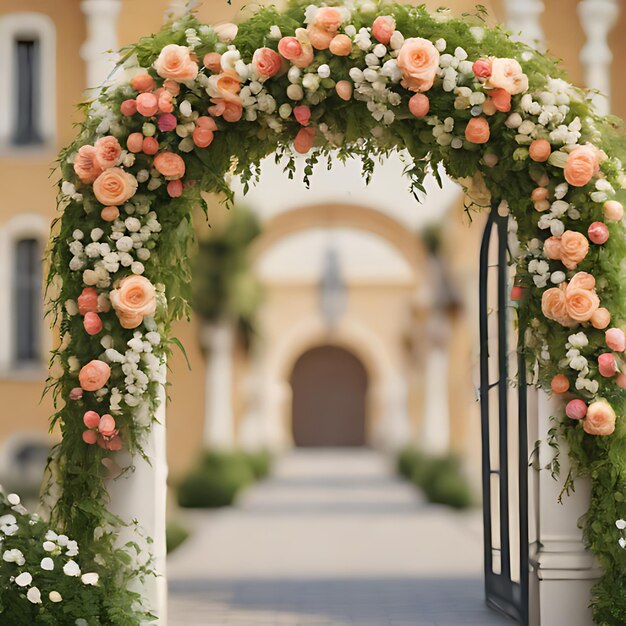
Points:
(34, 595)
(23, 579)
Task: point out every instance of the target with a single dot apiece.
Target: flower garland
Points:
(197, 104)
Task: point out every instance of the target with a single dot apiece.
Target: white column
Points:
(597, 17)
(435, 428)
(396, 432)
(524, 20)
(563, 571)
(101, 22)
(218, 340)
(141, 495)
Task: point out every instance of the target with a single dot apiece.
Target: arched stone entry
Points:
(329, 386)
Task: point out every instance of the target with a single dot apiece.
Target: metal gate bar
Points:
(502, 592)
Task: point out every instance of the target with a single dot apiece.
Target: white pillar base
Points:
(562, 569)
(435, 428)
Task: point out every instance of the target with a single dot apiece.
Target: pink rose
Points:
(90, 437)
(501, 100)
(213, 62)
(539, 150)
(383, 28)
(266, 62)
(598, 233)
(341, 45)
(576, 409)
(583, 163)
(114, 187)
(574, 248)
(297, 49)
(106, 427)
(344, 89)
(304, 140)
(91, 419)
(88, 301)
(128, 107)
(615, 339)
(418, 61)
(607, 365)
(620, 381)
(302, 114)
(108, 152)
(94, 375)
(147, 104)
(175, 188)
(134, 299)
(142, 82)
(419, 105)
(507, 74)
(482, 68)
(171, 165)
(167, 122)
(92, 323)
(110, 443)
(175, 62)
(477, 130)
(76, 393)
(600, 419)
(86, 165)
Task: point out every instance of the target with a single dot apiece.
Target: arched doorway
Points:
(329, 387)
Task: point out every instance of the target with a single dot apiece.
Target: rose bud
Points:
(576, 409)
(606, 364)
(598, 233)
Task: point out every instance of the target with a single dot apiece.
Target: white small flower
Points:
(13, 499)
(24, 579)
(34, 595)
(622, 543)
(440, 44)
(185, 107)
(557, 228)
(78, 234)
(513, 121)
(294, 74)
(275, 33)
(620, 524)
(90, 578)
(137, 267)
(55, 596)
(323, 70)
(397, 40)
(311, 82)
(460, 54)
(71, 568)
(47, 564)
(295, 92)
(380, 50)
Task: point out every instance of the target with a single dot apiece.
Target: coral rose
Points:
(341, 45)
(302, 114)
(91, 419)
(418, 61)
(477, 130)
(553, 306)
(175, 188)
(482, 68)
(501, 100)
(171, 165)
(581, 303)
(615, 339)
(150, 145)
(598, 233)
(574, 248)
(147, 104)
(231, 109)
(552, 248)
(576, 409)
(266, 62)
(87, 301)
(128, 107)
(507, 74)
(142, 82)
(94, 375)
(539, 150)
(114, 187)
(304, 140)
(86, 164)
(607, 365)
(134, 143)
(583, 163)
(108, 152)
(344, 89)
(175, 62)
(207, 122)
(202, 137)
(419, 105)
(134, 299)
(165, 102)
(92, 323)
(383, 28)
(600, 419)
(213, 62)
(601, 318)
(90, 437)
(559, 383)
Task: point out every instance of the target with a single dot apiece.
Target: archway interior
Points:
(329, 403)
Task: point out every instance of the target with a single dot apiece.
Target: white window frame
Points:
(22, 226)
(41, 27)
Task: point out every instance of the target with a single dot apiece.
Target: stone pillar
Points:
(524, 20)
(597, 17)
(142, 495)
(562, 570)
(218, 341)
(101, 22)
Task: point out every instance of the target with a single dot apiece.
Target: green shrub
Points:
(215, 482)
(450, 488)
(407, 460)
(175, 535)
(260, 463)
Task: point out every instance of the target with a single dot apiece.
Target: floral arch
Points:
(197, 104)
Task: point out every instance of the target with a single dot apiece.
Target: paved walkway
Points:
(332, 539)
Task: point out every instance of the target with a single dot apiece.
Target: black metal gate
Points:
(504, 432)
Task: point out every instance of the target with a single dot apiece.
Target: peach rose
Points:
(539, 193)
(319, 38)
(134, 143)
(142, 82)
(202, 137)
(114, 187)
(600, 419)
(539, 150)
(419, 105)
(94, 375)
(324, 27)
(582, 280)
(613, 210)
(507, 74)
(554, 307)
(226, 32)
(559, 383)
(501, 100)
(108, 152)
(231, 108)
(175, 62)
(86, 164)
(213, 62)
(171, 165)
(601, 318)
(344, 89)
(110, 213)
(418, 61)
(574, 248)
(383, 28)
(615, 339)
(266, 62)
(297, 49)
(477, 130)
(171, 86)
(341, 45)
(134, 299)
(552, 248)
(581, 303)
(583, 163)
(224, 85)
(147, 104)
(304, 140)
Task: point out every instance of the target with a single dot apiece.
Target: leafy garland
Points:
(196, 104)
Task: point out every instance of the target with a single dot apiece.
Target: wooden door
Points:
(329, 397)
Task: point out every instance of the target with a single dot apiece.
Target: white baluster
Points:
(523, 18)
(597, 17)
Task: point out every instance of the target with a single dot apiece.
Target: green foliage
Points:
(260, 463)
(215, 481)
(176, 534)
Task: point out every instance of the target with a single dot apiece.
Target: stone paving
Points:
(333, 538)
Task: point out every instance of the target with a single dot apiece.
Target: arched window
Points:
(27, 72)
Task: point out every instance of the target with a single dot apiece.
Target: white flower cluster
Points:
(575, 360)
(454, 69)
(620, 524)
